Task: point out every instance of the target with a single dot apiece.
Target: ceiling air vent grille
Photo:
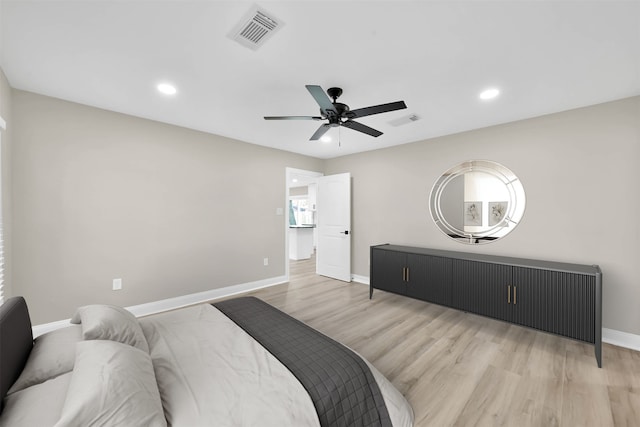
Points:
(256, 28)
(405, 120)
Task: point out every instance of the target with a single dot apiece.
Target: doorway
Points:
(320, 224)
(300, 217)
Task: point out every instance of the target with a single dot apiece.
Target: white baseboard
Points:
(621, 339)
(48, 327)
(360, 279)
(177, 302)
(609, 336)
(200, 297)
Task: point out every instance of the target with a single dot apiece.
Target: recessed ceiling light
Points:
(167, 89)
(325, 138)
(489, 93)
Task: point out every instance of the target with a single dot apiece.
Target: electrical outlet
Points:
(117, 284)
(266, 261)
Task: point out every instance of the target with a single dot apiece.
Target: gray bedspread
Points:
(340, 384)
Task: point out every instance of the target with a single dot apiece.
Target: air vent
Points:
(404, 120)
(256, 27)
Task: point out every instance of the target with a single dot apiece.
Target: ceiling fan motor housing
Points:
(342, 110)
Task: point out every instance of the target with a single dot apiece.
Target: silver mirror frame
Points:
(483, 234)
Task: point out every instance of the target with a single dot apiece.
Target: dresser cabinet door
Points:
(415, 276)
(482, 288)
(558, 302)
(437, 283)
(388, 271)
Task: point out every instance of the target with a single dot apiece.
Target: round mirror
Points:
(477, 201)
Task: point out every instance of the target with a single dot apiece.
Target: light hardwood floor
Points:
(459, 369)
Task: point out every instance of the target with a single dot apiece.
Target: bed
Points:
(237, 362)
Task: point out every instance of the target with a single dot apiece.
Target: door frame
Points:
(289, 174)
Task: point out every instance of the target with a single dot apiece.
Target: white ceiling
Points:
(544, 56)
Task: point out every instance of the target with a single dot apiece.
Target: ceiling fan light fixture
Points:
(488, 94)
(167, 89)
(325, 138)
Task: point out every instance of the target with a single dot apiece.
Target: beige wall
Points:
(581, 176)
(5, 156)
(99, 195)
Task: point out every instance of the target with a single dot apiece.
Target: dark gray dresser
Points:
(560, 298)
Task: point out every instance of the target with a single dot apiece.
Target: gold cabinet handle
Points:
(404, 274)
(407, 274)
(515, 298)
(508, 294)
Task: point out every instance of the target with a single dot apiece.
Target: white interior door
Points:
(333, 256)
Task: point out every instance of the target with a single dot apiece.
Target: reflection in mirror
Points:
(477, 201)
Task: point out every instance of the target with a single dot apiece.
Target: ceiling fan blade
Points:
(321, 131)
(361, 128)
(292, 118)
(377, 109)
(322, 99)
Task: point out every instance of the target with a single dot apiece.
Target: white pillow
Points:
(109, 322)
(38, 405)
(52, 355)
(112, 384)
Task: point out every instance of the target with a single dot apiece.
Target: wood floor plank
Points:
(460, 369)
(491, 400)
(586, 405)
(625, 405)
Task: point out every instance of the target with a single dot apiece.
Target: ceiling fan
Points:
(339, 114)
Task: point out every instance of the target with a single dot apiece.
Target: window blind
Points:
(2, 128)
(1, 260)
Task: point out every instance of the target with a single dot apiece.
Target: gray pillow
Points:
(112, 384)
(52, 355)
(109, 322)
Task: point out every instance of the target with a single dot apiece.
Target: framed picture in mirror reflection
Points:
(472, 213)
(497, 211)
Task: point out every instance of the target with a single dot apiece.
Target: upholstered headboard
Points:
(16, 341)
